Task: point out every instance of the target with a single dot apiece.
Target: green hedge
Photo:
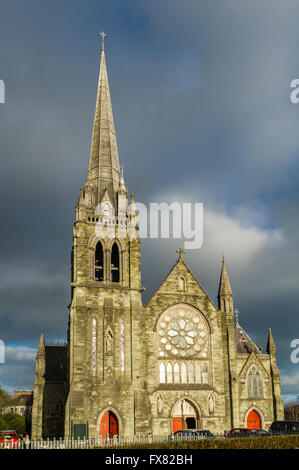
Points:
(264, 442)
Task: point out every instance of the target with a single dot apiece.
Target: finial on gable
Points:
(181, 251)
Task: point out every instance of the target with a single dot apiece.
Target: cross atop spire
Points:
(236, 312)
(103, 34)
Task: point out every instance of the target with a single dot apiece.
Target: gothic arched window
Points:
(184, 373)
(99, 263)
(190, 373)
(122, 346)
(183, 345)
(197, 374)
(162, 373)
(115, 263)
(94, 344)
(255, 386)
(205, 376)
(181, 284)
(176, 373)
(169, 373)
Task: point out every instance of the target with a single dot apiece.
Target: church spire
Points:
(103, 172)
(225, 294)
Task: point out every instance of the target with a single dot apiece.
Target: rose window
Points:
(182, 333)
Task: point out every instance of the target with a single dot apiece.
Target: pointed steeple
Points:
(122, 187)
(41, 347)
(224, 285)
(270, 345)
(103, 169)
(225, 294)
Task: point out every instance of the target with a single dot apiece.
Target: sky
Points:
(201, 101)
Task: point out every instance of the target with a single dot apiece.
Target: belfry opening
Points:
(115, 263)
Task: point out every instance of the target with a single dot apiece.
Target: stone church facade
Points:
(180, 361)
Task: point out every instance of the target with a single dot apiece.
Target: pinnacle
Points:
(224, 286)
(270, 345)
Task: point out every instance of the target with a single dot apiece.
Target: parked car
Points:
(191, 434)
(247, 432)
(8, 438)
(260, 432)
(284, 427)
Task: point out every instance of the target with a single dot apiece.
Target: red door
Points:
(113, 425)
(253, 420)
(104, 425)
(109, 425)
(177, 424)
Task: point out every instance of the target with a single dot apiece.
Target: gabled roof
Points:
(244, 344)
(177, 270)
(252, 359)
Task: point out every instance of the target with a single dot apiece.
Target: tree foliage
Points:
(5, 401)
(15, 422)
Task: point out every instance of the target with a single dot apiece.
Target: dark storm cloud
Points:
(200, 93)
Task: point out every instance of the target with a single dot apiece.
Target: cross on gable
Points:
(181, 251)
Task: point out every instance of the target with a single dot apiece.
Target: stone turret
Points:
(39, 384)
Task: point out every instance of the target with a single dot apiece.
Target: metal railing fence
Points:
(84, 443)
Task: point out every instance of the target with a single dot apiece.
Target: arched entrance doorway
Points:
(253, 420)
(109, 425)
(185, 416)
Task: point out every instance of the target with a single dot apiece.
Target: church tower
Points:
(105, 322)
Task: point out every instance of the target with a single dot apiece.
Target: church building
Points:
(178, 362)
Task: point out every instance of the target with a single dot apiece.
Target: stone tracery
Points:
(183, 341)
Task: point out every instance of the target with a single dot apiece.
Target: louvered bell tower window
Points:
(115, 263)
(99, 263)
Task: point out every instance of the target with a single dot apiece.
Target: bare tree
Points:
(292, 411)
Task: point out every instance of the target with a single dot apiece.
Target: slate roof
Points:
(56, 363)
(244, 343)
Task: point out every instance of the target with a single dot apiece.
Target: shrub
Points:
(262, 442)
(15, 422)
(3, 424)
